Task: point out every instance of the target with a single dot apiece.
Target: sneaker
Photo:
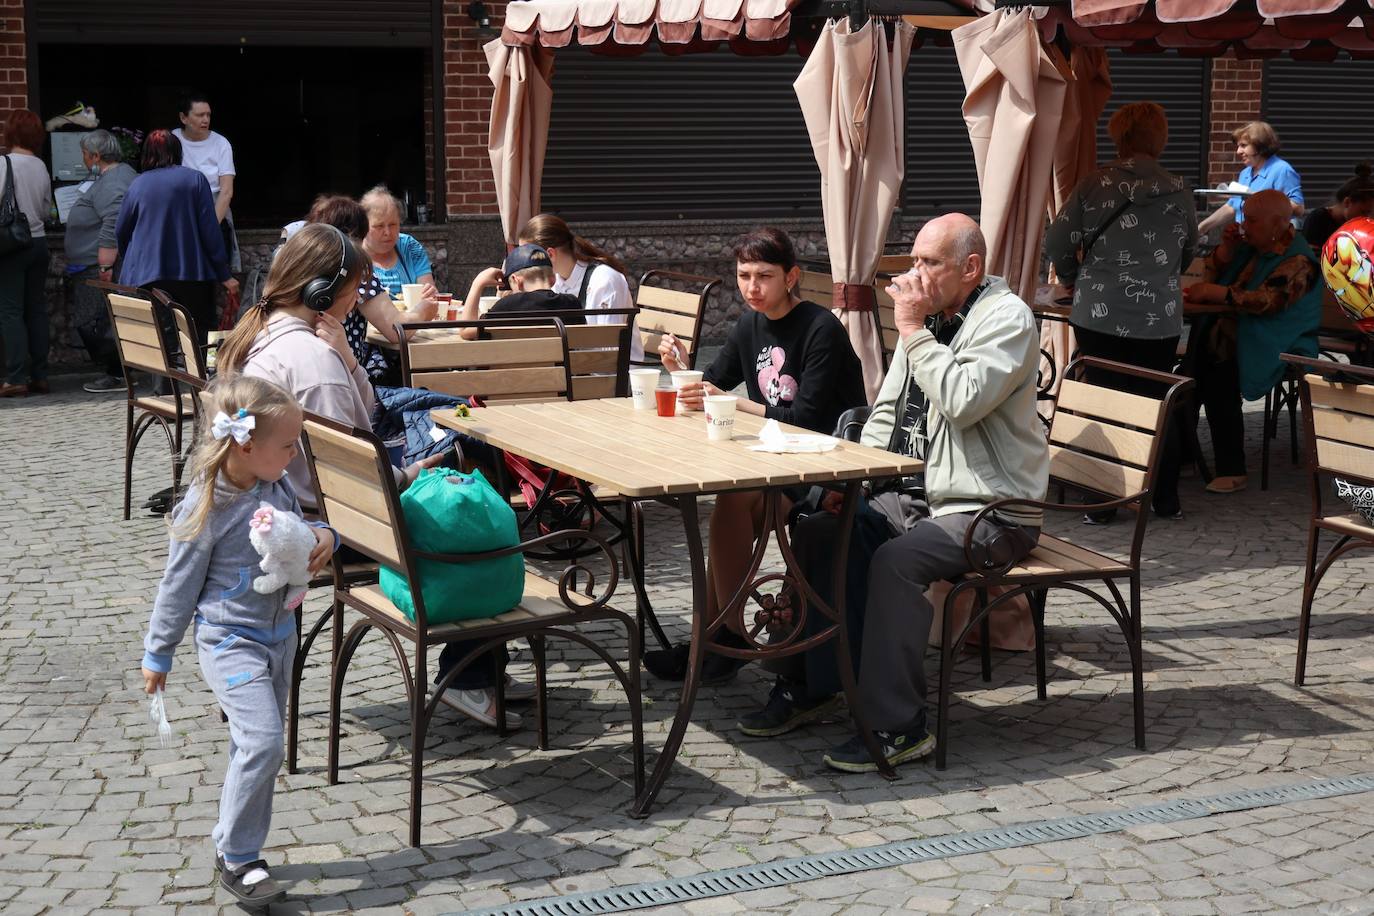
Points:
(671, 664)
(785, 711)
(478, 705)
(1104, 517)
(250, 883)
(898, 748)
(105, 383)
(519, 691)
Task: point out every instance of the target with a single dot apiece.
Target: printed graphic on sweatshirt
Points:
(777, 388)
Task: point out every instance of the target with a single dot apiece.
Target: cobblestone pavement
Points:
(94, 815)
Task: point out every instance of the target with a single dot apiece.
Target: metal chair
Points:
(1338, 416)
(664, 310)
(141, 337)
(1103, 442)
(357, 497)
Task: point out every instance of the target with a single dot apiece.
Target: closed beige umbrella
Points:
(1075, 157)
(850, 93)
(1013, 104)
(519, 128)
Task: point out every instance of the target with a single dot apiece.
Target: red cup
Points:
(445, 307)
(667, 401)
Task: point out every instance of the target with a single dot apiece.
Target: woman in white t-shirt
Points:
(595, 276)
(212, 155)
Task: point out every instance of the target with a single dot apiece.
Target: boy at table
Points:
(528, 270)
(798, 367)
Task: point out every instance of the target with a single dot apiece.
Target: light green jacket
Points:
(985, 440)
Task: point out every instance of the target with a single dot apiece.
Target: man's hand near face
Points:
(912, 302)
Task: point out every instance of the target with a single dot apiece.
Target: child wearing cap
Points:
(528, 271)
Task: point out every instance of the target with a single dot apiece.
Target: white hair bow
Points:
(240, 426)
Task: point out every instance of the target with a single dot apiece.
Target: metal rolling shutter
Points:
(940, 173)
(1321, 112)
(693, 136)
(1180, 85)
(334, 23)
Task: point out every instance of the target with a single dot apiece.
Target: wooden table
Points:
(644, 456)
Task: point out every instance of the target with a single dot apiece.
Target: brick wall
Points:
(467, 110)
(1236, 90)
(14, 83)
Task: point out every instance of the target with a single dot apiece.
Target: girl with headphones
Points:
(294, 337)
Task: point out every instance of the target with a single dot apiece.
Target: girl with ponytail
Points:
(286, 342)
(585, 270)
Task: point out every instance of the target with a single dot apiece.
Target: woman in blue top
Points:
(1257, 145)
(168, 232)
(397, 258)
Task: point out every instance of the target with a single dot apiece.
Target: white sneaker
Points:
(520, 691)
(478, 705)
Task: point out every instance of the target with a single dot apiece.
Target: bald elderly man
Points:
(1267, 273)
(961, 394)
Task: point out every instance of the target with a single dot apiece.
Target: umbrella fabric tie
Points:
(853, 297)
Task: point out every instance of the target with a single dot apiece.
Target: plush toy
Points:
(285, 542)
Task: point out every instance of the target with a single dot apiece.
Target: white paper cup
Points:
(410, 292)
(685, 377)
(720, 416)
(642, 385)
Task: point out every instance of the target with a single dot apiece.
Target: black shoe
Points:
(1175, 513)
(671, 664)
(785, 710)
(104, 384)
(1104, 517)
(250, 883)
(898, 747)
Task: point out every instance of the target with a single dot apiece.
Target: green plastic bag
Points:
(450, 512)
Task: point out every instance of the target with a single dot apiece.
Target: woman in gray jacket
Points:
(1120, 242)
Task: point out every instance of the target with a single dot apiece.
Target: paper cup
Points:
(685, 377)
(446, 312)
(666, 400)
(642, 385)
(720, 416)
(410, 293)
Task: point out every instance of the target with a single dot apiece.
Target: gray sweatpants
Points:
(897, 617)
(250, 681)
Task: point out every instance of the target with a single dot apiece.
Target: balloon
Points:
(1349, 271)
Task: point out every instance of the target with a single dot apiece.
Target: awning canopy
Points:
(1303, 29)
(559, 23)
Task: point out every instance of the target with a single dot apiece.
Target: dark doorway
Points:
(301, 120)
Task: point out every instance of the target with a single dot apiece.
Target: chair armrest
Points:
(980, 559)
(574, 568)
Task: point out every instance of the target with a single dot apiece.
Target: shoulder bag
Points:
(14, 225)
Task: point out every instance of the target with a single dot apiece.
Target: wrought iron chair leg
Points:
(1137, 663)
(541, 695)
(1037, 605)
(1309, 587)
(985, 635)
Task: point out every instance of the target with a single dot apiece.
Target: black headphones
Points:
(319, 293)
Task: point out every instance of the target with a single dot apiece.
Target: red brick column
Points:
(467, 110)
(1237, 86)
(14, 80)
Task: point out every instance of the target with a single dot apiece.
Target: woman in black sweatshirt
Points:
(798, 367)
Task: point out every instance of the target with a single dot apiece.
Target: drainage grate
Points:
(807, 868)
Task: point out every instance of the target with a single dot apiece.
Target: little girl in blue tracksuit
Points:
(245, 640)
